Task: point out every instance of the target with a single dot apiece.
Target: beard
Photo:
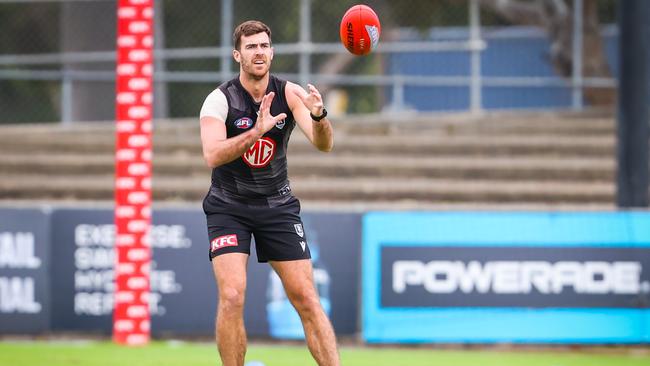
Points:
(254, 72)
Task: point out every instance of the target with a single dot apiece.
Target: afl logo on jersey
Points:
(244, 123)
(260, 154)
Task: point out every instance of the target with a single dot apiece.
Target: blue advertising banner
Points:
(506, 277)
(334, 240)
(24, 269)
(183, 291)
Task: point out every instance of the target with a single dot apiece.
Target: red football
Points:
(360, 30)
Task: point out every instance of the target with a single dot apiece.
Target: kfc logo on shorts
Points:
(260, 154)
(244, 123)
(223, 241)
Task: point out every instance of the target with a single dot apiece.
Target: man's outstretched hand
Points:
(265, 121)
(312, 99)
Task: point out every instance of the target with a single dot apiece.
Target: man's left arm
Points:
(303, 105)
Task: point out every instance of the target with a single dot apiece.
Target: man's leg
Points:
(297, 278)
(230, 273)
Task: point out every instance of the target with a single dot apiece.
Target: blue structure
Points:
(510, 52)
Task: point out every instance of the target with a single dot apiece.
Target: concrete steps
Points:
(510, 160)
(540, 168)
(416, 144)
(357, 189)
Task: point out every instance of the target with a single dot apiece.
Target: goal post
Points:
(133, 150)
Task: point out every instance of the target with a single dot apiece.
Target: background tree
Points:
(556, 18)
(37, 28)
(28, 29)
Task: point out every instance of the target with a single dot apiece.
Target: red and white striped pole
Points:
(131, 318)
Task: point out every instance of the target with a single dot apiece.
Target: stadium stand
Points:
(547, 160)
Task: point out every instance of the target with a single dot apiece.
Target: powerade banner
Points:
(465, 276)
(183, 291)
(506, 277)
(24, 267)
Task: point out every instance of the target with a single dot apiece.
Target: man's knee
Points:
(305, 301)
(231, 298)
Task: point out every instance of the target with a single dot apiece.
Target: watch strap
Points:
(318, 118)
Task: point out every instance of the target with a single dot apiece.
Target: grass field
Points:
(92, 353)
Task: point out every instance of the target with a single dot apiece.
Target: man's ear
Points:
(236, 55)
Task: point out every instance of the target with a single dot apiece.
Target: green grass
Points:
(199, 354)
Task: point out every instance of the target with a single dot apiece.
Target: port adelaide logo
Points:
(299, 230)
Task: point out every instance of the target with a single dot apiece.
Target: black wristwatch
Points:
(318, 118)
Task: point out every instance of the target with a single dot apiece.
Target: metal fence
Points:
(57, 58)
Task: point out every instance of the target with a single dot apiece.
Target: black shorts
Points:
(278, 231)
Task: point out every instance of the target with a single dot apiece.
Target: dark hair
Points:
(249, 28)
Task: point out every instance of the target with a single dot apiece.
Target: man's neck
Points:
(255, 87)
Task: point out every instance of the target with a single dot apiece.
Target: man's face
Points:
(255, 55)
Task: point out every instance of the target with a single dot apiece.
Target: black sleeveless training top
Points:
(259, 177)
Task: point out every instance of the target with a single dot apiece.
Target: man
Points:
(245, 128)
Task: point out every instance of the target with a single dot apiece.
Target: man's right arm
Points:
(218, 149)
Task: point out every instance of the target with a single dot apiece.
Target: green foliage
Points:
(281, 16)
(28, 101)
(192, 23)
(607, 11)
(28, 29)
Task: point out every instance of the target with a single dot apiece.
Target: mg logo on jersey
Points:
(260, 154)
(223, 241)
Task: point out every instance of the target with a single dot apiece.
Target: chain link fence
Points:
(57, 57)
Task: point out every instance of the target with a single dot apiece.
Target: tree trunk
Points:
(594, 62)
(556, 17)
